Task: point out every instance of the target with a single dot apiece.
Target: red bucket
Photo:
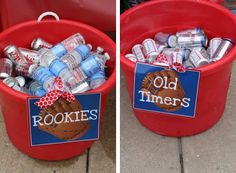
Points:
(14, 103)
(148, 18)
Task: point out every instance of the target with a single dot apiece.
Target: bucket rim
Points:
(205, 70)
(104, 89)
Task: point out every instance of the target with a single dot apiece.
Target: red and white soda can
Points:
(138, 52)
(73, 41)
(31, 56)
(39, 43)
(14, 54)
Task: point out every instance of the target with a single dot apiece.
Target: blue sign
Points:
(166, 91)
(64, 121)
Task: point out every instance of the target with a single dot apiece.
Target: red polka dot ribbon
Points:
(54, 95)
(161, 58)
(178, 67)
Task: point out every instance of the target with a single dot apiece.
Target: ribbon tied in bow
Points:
(161, 58)
(55, 94)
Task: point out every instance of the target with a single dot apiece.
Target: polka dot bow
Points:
(161, 58)
(54, 95)
(178, 67)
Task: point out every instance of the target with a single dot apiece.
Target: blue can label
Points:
(64, 121)
(166, 91)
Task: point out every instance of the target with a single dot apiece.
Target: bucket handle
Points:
(48, 13)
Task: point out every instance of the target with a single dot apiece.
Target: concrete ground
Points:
(100, 158)
(213, 151)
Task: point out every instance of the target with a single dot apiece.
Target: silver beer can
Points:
(161, 47)
(20, 80)
(131, 57)
(213, 45)
(138, 52)
(14, 54)
(162, 38)
(176, 58)
(168, 51)
(181, 51)
(172, 41)
(203, 52)
(150, 49)
(6, 68)
(197, 48)
(197, 59)
(225, 46)
(188, 65)
(10, 81)
(192, 40)
(17, 88)
(39, 43)
(196, 30)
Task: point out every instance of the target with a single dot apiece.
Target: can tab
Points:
(48, 13)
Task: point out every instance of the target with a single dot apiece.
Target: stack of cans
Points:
(33, 71)
(189, 47)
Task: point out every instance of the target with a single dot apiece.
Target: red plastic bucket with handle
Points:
(14, 104)
(148, 18)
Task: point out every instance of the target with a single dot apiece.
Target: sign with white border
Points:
(158, 89)
(80, 125)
